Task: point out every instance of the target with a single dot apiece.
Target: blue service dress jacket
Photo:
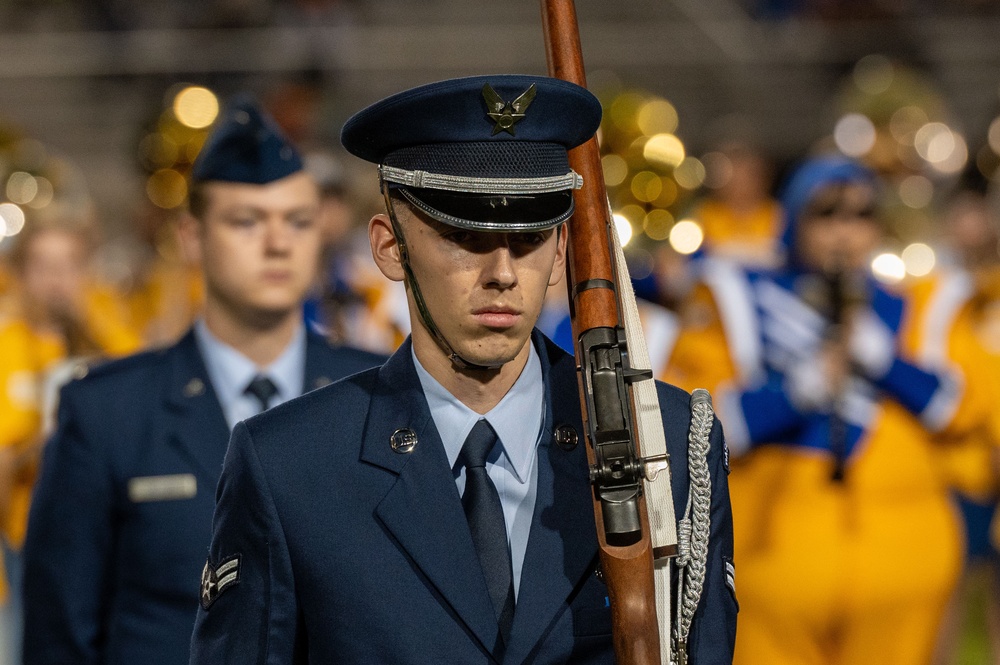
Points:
(122, 513)
(330, 546)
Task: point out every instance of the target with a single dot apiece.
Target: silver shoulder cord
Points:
(693, 529)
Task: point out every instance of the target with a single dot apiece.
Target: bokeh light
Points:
(21, 187)
(615, 170)
(854, 135)
(916, 191)
(646, 186)
(657, 116)
(166, 189)
(942, 148)
(196, 107)
(668, 193)
(664, 150)
(873, 74)
(624, 110)
(919, 259)
(623, 227)
(633, 213)
(690, 174)
(686, 236)
(993, 135)
(905, 122)
(13, 218)
(657, 224)
(888, 268)
(44, 193)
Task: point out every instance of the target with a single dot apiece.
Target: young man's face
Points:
(259, 244)
(484, 291)
(838, 229)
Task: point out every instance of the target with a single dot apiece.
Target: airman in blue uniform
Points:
(439, 509)
(122, 514)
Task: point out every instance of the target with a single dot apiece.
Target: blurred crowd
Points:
(856, 389)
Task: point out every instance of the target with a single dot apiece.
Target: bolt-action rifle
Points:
(618, 469)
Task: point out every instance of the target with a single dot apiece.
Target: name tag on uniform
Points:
(162, 488)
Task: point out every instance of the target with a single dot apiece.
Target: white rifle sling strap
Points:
(652, 443)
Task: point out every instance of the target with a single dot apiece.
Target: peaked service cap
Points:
(246, 146)
(486, 153)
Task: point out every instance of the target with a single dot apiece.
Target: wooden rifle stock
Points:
(628, 568)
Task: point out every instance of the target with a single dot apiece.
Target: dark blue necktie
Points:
(263, 389)
(484, 512)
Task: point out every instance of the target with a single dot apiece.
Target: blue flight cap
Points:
(246, 146)
(486, 153)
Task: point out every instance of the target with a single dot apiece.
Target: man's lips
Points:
(497, 317)
(276, 275)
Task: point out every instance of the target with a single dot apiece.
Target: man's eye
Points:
(302, 223)
(530, 238)
(243, 222)
(457, 237)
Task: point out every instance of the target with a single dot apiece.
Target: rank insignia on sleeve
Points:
(216, 580)
(731, 576)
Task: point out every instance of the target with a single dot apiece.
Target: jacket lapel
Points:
(195, 424)
(562, 544)
(422, 509)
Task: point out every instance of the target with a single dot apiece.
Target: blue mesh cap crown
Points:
(246, 146)
(487, 153)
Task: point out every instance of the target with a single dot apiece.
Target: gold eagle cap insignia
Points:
(507, 114)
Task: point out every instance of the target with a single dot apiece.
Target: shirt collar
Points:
(231, 372)
(517, 418)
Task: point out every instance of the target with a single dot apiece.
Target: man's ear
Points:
(385, 247)
(189, 235)
(559, 265)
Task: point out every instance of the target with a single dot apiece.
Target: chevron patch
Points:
(216, 580)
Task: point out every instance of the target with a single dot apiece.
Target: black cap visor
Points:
(493, 212)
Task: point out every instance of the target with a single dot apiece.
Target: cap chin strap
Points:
(418, 298)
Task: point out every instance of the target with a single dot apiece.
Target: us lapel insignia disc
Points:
(403, 440)
(216, 580)
(507, 114)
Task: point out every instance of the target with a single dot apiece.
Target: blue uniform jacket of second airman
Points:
(121, 519)
(330, 546)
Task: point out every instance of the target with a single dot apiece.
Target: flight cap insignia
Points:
(216, 580)
(507, 114)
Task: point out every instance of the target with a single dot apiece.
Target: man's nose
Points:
(500, 271)
(277, 237)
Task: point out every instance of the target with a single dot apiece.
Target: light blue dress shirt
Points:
(231, 372)
(517, 420)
